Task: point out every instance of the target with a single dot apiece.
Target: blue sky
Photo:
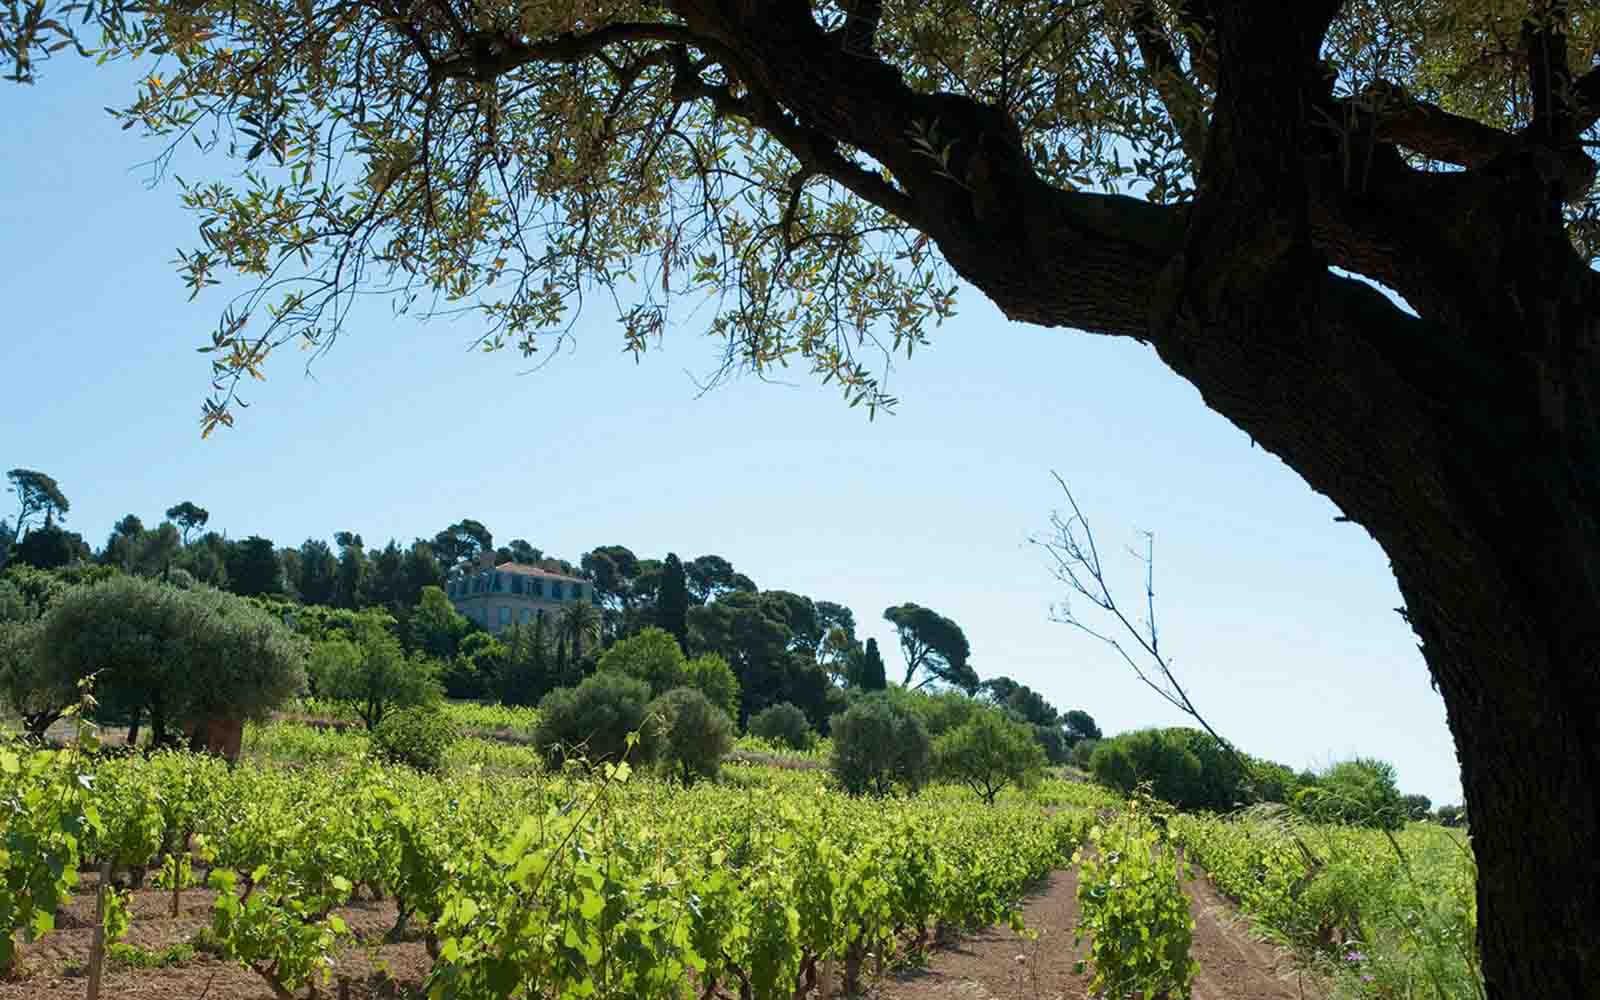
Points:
(1281, 620)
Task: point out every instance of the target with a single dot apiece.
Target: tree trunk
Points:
(158, 727)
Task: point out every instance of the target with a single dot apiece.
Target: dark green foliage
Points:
(933, 645)
(1185, 767)
(171, 655)
(418, 737)
(461, 543)
(435, 626)
(742, 629)
(527, 667)
(1112, 765)
(350, 585)
(1082, 752)
(592, 720)
(1359, 792)
(1020, 700)
(869, 674)
(711, 577)
(253, 567)
(989, 752)
(1079, 725)
(672, 601)
(783, 724)
(1417, 807)
(319, 572)
(479, 668)
(38, 495)
(1452, 815)
(878, 747)
(50, 547)
(189, 517)
(938, 711)
(1053, 743)
(29, 685)
(691, 736)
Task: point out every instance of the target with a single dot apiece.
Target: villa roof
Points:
(523, 569)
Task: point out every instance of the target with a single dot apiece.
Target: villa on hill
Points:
(513, 593)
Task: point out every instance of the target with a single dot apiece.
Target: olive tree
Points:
(988, 753)
(169, 655)
(593, 720)
(878, 746)
(1223, 180)
(692, 735)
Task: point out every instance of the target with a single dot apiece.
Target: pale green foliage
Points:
(418, 736)
(371, 673)
(710, 674)
(988, 753)
(651, 656)
(1362, 792)
(1135, 910)
(379, 158)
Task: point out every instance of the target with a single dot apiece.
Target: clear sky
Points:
(1282, 621)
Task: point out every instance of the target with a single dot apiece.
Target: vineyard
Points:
(540, 885)
(317, 869)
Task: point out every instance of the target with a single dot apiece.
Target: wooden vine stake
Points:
(97, 950)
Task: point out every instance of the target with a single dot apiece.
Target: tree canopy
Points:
(1208, 176)
(934, 645)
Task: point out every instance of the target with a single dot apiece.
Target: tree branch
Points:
(1392, 115)
(1182, 98)
(486, 55)
(1544, 41)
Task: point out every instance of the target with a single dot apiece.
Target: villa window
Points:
(555, 589)
(505, 616)
(516, 584)
(538, 588)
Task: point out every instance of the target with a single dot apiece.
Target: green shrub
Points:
(1359, 792)
(371, 673)
(710, 674)
(988, 752)
(418, 736)
(1185, 767)
(1082, 752)
(651, 656)
(693, 735)
(783, 724)
(592, 720)
(877, 747)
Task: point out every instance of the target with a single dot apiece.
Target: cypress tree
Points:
(870, 674)
(672, 604)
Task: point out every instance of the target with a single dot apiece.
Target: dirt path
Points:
(997, 964)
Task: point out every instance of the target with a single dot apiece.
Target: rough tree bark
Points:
(1465, 440)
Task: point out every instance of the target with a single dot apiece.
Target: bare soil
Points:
(994, 964)
(52, 968)
(999, 964)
